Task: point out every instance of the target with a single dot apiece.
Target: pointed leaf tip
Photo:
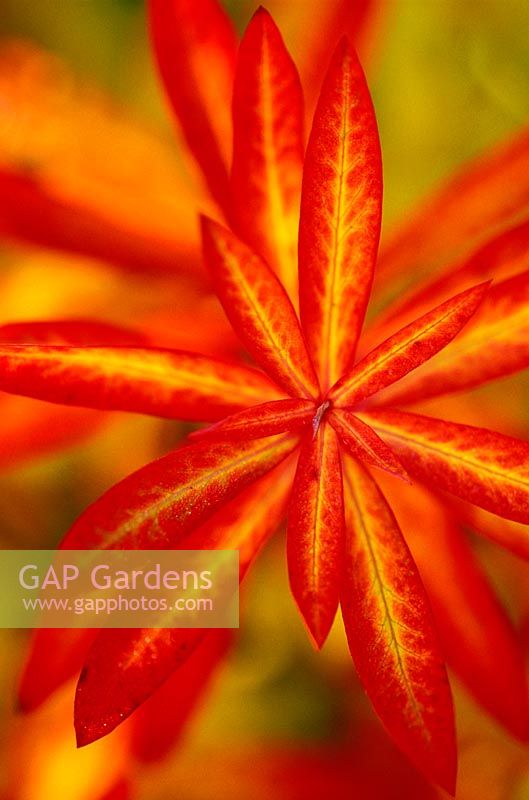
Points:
(495, 343)
(195, 47)
(487, 657)
(341, 205)
(123, 668)
(391, 633)
(268, 148)
(363, 443)
(409, 348)
(262, 13)
(315, 532)
(344, 47)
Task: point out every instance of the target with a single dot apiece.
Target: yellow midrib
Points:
(279, 212)
(449, 454)
(381, 586)
(378, 364)
(195, 485)
(146, 367)
(315, 538)
(476, 337)
(329, 334)
(267, 329)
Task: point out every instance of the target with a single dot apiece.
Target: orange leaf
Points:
(159, 504)
(315, 532)
(59, 188)
(407, 349)
(268, 148)
(32, 213)
(259, 310)
(363, 443)
(125, 667)
(340, 216)
(478, 465)
(29, 429)
(390, 632)
(166, 383)
(277, 416)
(248, 521)
(477, 638)
(495, 343)
(68, 332)
(196, 49)
(244, 524)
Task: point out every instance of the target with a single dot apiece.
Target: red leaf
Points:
(166, 383)
(70, 332)
(248, 521)
(407, 349)
(277, 416)
(268, 148)
(32, 213)
(390, 632)
(315, 532)
(478, 465)
(159, 504)
(495, 343)
(477, 638)
(125, 667)
(340, 217)
(259, 310)
(363, 443)
(196, 50)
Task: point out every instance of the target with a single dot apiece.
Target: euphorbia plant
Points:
(309, 398)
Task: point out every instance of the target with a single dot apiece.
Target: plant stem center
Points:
(320, 413)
